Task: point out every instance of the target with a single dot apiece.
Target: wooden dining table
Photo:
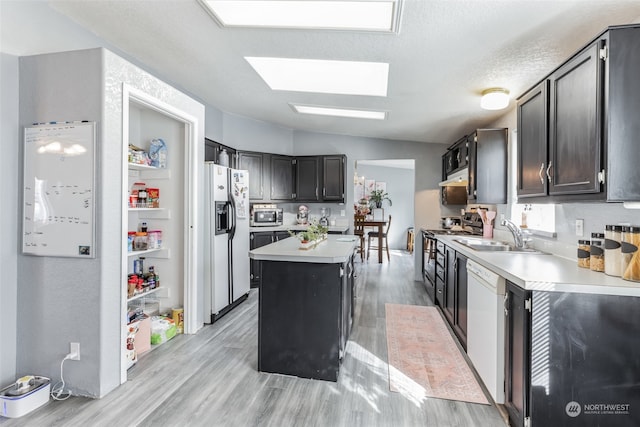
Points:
(380, 224)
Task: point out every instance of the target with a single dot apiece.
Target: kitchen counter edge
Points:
(298, 227)
(336, 249)
(545, 272)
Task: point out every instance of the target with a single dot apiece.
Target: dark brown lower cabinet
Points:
(455, 293)
(517, 343)
(572, 359)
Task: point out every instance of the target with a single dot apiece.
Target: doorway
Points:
(396, 177)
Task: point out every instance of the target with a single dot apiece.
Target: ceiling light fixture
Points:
(323, 76)
(494, 99)
(380, 15)
(339, 112)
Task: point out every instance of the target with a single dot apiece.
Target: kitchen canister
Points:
(612, 250)
(596, 256)
(630, 257)
(584, 252)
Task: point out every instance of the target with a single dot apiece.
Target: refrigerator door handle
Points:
(232, 217)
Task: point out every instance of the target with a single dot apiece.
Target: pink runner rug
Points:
(422, 353)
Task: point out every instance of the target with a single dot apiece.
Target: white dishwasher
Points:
(485, 332)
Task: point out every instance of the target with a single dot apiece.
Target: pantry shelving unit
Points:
(145, 118)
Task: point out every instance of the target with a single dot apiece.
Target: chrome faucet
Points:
(516, 231)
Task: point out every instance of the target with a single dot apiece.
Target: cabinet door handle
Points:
(548, 169)
(540, 173)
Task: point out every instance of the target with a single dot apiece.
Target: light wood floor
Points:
(210, 379)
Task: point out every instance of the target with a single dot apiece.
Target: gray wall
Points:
(9, 227)
(59, 298)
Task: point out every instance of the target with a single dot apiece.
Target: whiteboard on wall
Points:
(59, 197)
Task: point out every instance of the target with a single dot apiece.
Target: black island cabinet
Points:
(305, 306)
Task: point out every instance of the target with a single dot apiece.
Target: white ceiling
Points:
(445, 54)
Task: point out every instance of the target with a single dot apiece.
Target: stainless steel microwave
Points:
(265, 216)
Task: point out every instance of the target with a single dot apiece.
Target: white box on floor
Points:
(17, 406)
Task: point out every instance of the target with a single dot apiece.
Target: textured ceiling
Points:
(444, 55)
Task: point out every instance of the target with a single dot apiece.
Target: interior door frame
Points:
(190, 226)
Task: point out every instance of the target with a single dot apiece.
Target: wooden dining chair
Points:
(358, 230)
(385, 243)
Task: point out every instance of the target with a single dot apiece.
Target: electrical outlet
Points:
(342, 212)
(579, 227)
(74, 351)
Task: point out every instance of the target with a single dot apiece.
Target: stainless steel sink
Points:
(494, 246)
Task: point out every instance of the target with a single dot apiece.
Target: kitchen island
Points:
(305, 306)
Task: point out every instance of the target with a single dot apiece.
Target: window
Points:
(535, 217)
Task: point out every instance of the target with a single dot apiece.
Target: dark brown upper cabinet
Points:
(308, 178)
(575, 124)
(282, 178)
(333, 172)
(484, 154)
(487, 154)
(533, 140)
(578, 128)
(258, 165)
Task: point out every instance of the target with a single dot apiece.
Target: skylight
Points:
(323, 76)
(339, 112)
(376, 15)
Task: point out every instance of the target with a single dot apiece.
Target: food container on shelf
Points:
(140, 242)
(630, 257)
(153, 197)
(596, 256)
(154, 239)
(584, 252)
(612, 253)
(131, 235)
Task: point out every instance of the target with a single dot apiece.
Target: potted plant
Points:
(312, 235)
(377, 197)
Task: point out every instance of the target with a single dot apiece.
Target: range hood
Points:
(457, 179)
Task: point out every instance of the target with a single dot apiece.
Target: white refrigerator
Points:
(226, 266)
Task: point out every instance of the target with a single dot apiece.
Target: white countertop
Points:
(335, 249)
(545, 272)
(297, 227)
